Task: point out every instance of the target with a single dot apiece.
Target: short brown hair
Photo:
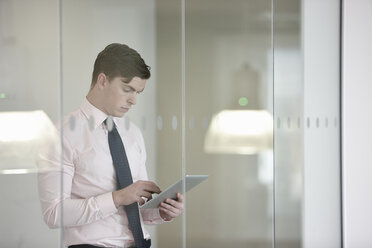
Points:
(119, 60)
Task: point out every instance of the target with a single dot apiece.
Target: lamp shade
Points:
(239, 132)
(21, 136)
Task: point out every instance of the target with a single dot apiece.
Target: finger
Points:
(141, 201)
(179, 197)
(170, 208)
(174, 203)
(151, 187)
(170, 201)
(146, 194)
(153, 190)
(168, 214)
(168, 211)
(148, 186)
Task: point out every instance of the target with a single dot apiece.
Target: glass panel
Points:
(169, 109)
(153, 29)
(29, 104)
(289, 123)
(307, 129)
(229, 123)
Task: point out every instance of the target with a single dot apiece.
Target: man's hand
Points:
(170, 209)
(135, 193)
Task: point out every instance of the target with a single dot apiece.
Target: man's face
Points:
(120, 96)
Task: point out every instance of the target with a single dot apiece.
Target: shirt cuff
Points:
(106, 204)
(152, 216)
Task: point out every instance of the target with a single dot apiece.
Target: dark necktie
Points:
(124, 177)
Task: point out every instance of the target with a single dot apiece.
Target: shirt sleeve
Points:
(152, 216)
(54, 184)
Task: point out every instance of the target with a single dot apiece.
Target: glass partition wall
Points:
(157, 111)
(229, 118)
(169, 117)
(307, 123)
(29, 104)
(288, 129)
(240, 91)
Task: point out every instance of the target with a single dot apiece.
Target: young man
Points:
(92, 209)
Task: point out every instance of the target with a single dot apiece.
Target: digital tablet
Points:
(171, 192)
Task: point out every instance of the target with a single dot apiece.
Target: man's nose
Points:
(133, 98)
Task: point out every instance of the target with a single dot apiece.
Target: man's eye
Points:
(127, 90)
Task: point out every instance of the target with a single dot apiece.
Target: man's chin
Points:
(118, 114)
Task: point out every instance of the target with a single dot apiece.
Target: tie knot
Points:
(109, 123)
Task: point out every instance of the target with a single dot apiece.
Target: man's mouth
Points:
(125, 108)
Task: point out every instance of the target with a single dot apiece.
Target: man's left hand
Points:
(170, 209)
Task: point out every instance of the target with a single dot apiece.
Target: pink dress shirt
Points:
(84, 206)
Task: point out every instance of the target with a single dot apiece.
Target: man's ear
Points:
(101, 80)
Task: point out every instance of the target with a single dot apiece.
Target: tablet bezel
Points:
(171, 192)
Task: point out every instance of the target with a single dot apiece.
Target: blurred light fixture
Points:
(239, 132)
(22, 134)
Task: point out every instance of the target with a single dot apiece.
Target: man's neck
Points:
(95, 99)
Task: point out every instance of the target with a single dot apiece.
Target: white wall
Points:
(321, 69)
(357, 123)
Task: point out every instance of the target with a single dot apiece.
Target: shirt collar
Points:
(92, 113)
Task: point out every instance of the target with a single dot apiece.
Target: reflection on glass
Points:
(229, 90)
(288, 144)
(159, 123)
(23, 126)
(174, 123)
(239, 132)
(29, 69)
(22, 134)
(168, 97)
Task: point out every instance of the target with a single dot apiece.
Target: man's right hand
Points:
(135, 193)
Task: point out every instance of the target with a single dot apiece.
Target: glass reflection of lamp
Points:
(244, 128)
(239, 132)
(22, 134)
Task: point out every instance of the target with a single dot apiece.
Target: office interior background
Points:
(270, 98)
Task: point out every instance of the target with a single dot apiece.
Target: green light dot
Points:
(243, 101)
(2, 95)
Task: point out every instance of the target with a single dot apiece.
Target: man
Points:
(93, 211)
